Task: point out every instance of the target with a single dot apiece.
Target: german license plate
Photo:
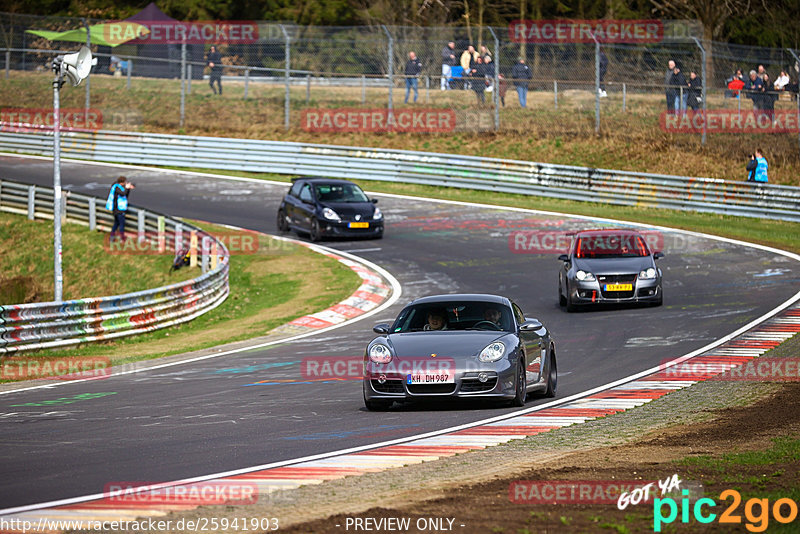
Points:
(619, 287)
(437, 377)
(358, 225)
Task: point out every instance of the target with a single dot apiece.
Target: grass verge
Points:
(281, 282)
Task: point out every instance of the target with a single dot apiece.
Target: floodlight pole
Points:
(88, 91)
(57, 83)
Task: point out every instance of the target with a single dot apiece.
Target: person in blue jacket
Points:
(117, 203)
(758, 167)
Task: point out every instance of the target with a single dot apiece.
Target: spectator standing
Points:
(602, 73)
(485, 54)
(735, 84)
(768, 97)
(214, 61)
(503, 89)
(668, 89)
(117, 203)
(521, 74)
(695, 91)
(752, 88)
(761, 167)
(413, 68)
(478, 75)
(448, 62)
(782, 81)
(678, 82)
(467, 62)
(762, 72)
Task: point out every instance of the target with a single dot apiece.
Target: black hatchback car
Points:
(324, 207)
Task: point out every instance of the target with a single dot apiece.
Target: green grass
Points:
(784, 449)
(281, 282)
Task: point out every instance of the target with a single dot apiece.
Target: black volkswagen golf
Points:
(324, 207)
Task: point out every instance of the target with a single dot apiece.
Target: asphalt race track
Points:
(252, 408)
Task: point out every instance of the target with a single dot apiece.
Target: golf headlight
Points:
(583, 276)
(331, 215)
(493, 352)
(380, 353)
(377, 214)
(649, 274)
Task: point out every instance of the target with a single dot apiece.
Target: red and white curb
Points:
(643, 388)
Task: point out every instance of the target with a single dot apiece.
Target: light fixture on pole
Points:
(75, 67)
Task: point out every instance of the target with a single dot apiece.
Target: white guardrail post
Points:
(56, 324)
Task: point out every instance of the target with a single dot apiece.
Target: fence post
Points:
(308, 88)
(391, 65)
(797, 59)
(246, 82)
(8, 62)
(193, 248)
(31, 202)
(140, 214)
(183, 83)
(427, 89)
(88, 80)
(92, 214)
(286, 76)
(555, 93)
(162, 237)
(189, 79)
(130, 68)
(178, 238)
(363, 89)
(596, 84)
(204, 253)
(496, 90)
(624, 95)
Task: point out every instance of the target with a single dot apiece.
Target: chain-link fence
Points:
(374, 79)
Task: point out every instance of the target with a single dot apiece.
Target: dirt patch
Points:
(20, 289)
(486, 507)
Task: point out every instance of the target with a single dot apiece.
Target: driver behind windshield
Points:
(494, 316)
(436, 321)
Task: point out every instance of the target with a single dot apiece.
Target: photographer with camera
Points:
(117, 203)
(757, 167)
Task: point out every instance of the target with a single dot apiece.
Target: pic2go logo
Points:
(756, 511)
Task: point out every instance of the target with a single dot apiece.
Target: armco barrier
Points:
(54, 324)
(510, 176)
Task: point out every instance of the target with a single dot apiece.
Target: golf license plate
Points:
(433, 377)
(358, 225)
(619, 287)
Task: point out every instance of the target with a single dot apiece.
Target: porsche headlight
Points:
(493, 352)
(331, 215)
(378, 214)
(583, 276)
(380, 353)
(648, 274)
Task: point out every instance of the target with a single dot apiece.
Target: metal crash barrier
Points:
(718, 196)
(53, 324)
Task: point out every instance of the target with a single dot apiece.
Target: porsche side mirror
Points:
(374, 200)
(563, 257)
(530, 325)
(658, 255)
(382, 328)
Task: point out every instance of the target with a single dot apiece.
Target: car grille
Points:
(425, 389)
(472, 386)
(617, 279)
(390, 386)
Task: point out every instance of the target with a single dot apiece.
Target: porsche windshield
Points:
(340, 193)
(610, 246)
(465, 315)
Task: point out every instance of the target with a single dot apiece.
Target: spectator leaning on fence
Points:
(448, 62)
(521, 74)
(735, 84)
(413, 68)
(752, 88)
(782, 81)
(467, 62)
(668, 89)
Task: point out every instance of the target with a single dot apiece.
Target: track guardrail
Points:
(55, 324)
(568, 182)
